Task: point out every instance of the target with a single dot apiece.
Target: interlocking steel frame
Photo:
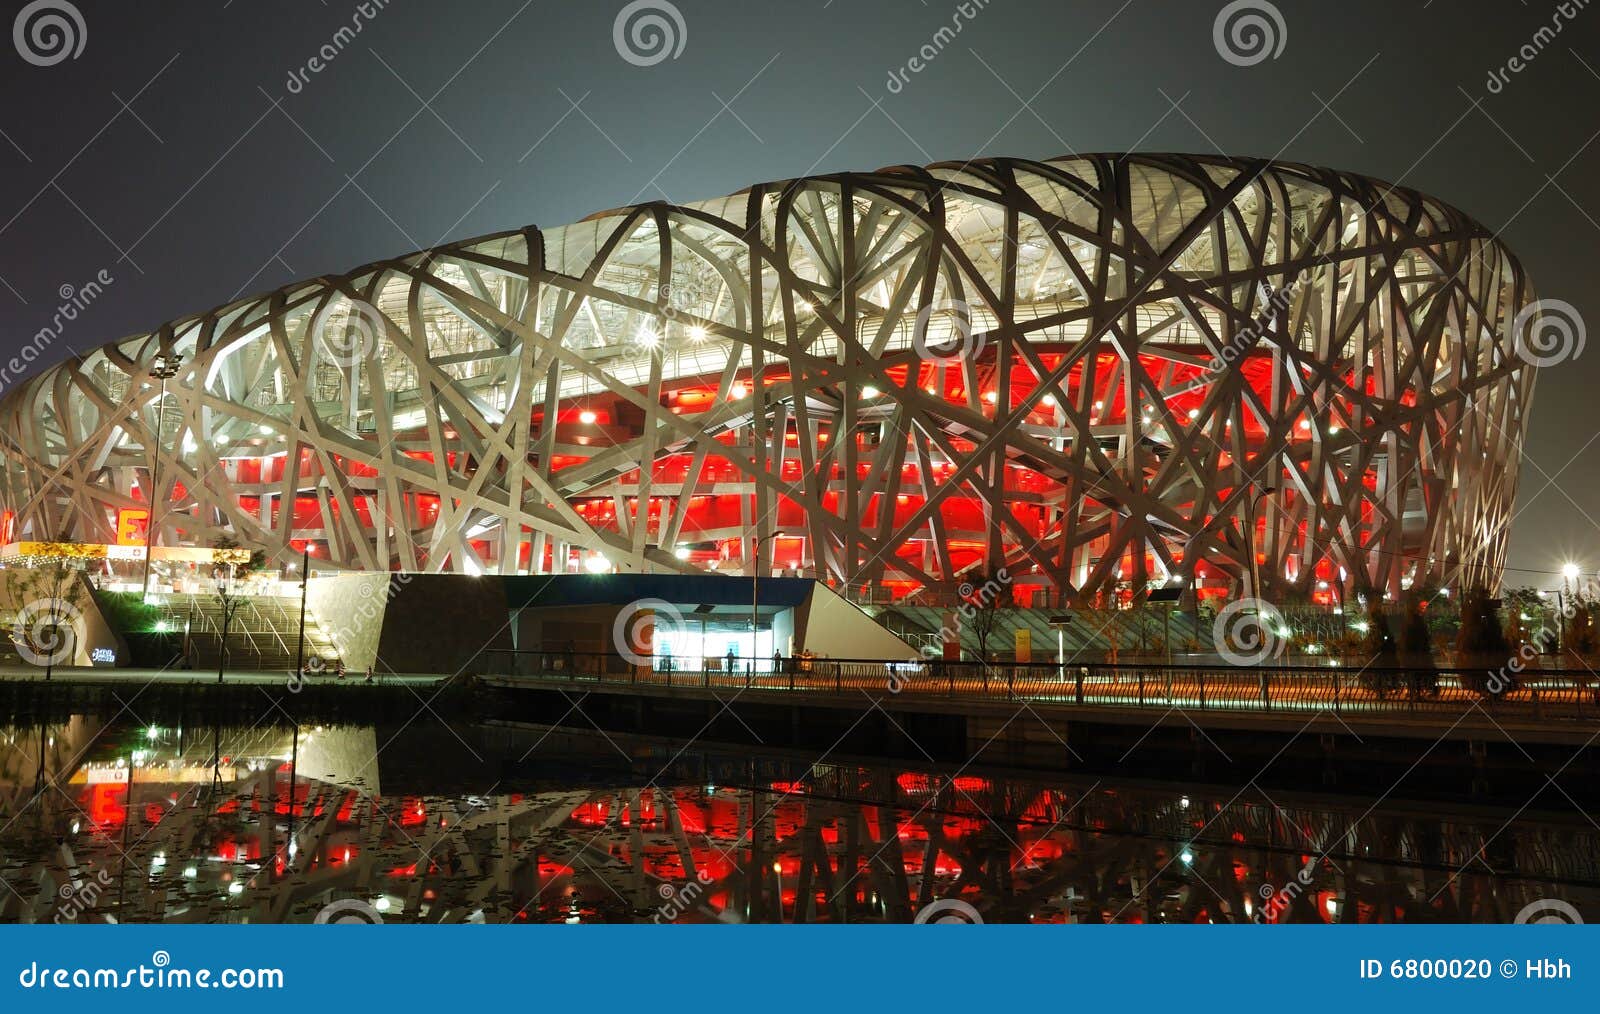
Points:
(1204, 360)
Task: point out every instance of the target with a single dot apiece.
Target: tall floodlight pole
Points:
(300, 648)
(755, 594)
(1250, 540)
(163, 368)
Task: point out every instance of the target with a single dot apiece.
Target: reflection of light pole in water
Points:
(163, 368)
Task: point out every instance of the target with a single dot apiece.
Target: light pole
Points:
(300, 646)
(163, 367)
(226, 593)
(755, 593)
(1250, 539)
(1569, 573)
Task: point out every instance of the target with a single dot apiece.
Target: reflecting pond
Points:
(503, 822)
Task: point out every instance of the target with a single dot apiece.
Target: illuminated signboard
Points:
(103, 656)
(131, 524)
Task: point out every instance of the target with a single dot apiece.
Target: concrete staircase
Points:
(1088, 636)
(262, 635)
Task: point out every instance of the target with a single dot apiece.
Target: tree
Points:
(47, 593)
(1580, 637)
(981, 606)
(1481, 647)
(232, 563)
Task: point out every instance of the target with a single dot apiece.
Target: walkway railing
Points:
(1563, 693)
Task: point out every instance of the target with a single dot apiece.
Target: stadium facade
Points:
(1097, 373)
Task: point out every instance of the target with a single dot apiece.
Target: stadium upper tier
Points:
(1095, 372)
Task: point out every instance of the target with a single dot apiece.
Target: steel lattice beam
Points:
(1084, 370)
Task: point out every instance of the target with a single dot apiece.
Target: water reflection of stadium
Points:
(263, 825)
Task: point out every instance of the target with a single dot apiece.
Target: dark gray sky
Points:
(171, 152)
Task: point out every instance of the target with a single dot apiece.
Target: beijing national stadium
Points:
(1099, 373)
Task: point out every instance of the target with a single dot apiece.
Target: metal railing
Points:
(1534, 693)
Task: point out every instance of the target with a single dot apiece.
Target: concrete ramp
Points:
(830, 626)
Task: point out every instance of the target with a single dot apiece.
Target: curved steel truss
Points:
(1094, 372)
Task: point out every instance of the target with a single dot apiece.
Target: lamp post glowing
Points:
(1569, 573)
(163, 367)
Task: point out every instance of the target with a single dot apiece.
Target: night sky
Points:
(173, 153)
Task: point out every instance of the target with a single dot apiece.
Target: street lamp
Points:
(163, 367)
(1569, 573)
